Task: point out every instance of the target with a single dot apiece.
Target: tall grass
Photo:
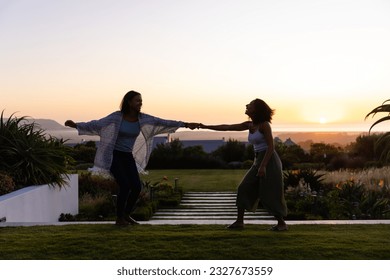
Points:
(370, 178)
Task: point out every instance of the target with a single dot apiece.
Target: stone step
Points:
(205, 210)
(208, 217)
(217, 212)
(219, 196)
(208, 201)
(212, 193)
(195, 204)
(207, 206)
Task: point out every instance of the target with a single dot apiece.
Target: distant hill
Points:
(47, 124)
(334, 138)
(59, 131)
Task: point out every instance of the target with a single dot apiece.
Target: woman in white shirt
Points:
(126, 139)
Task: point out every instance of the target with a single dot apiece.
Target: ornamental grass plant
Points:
(29, 156)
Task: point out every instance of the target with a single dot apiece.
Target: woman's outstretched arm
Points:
(227, 127)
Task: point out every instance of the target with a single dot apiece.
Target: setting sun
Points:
(321, 112)
(323, 120)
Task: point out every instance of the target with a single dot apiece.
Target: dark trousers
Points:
(125, 172)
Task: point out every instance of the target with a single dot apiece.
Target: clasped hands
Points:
(193, 126)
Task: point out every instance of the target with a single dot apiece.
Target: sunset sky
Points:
(323, 65)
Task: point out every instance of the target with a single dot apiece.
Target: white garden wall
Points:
(42, 203)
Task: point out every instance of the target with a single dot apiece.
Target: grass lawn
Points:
(187, 242)
(199, 179)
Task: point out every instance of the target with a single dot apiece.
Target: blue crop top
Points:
(128, 132)
(258, 141)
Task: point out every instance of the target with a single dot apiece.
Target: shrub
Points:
(99, 207)
(376, 204)
(145, 212)
(84, 153)
(96, 185)
(163, 193)
(29, 156)
(354, 200)
(67, 217)
(303, 205)
(308, 178)
(7, 185)
(97, 198)
(247, 164)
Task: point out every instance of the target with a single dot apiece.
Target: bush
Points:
(99, 207)
(84, 153)
(309, 179)
(171, 201)
(95, 185)
(302, 202)
(348, 199)
(7, 185)
(145, 212)
(29, 156)
(247, 164)
(357, 201)
(97, 198)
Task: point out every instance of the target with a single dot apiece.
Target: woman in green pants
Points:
(264, 180)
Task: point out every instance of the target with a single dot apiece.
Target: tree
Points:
(290, 154)
(364, 147)
(323, 153)
(383, 142)
(84, 153)
(166, 155)
(232, 150)
(173, 155)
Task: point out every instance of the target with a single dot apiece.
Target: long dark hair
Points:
(126, 99)
(263, 113)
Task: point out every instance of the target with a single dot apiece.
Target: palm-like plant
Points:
(383, 141)
(29, 156)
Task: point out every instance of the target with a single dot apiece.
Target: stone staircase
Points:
(206, 208)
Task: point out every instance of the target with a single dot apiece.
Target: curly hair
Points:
(263, 113)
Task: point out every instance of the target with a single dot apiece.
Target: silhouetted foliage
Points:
(382, 145)
(30, 156)
(290, 155)
(233, 150)
(364, 146)
(84, 153)
(321, 152)
(173, 155)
